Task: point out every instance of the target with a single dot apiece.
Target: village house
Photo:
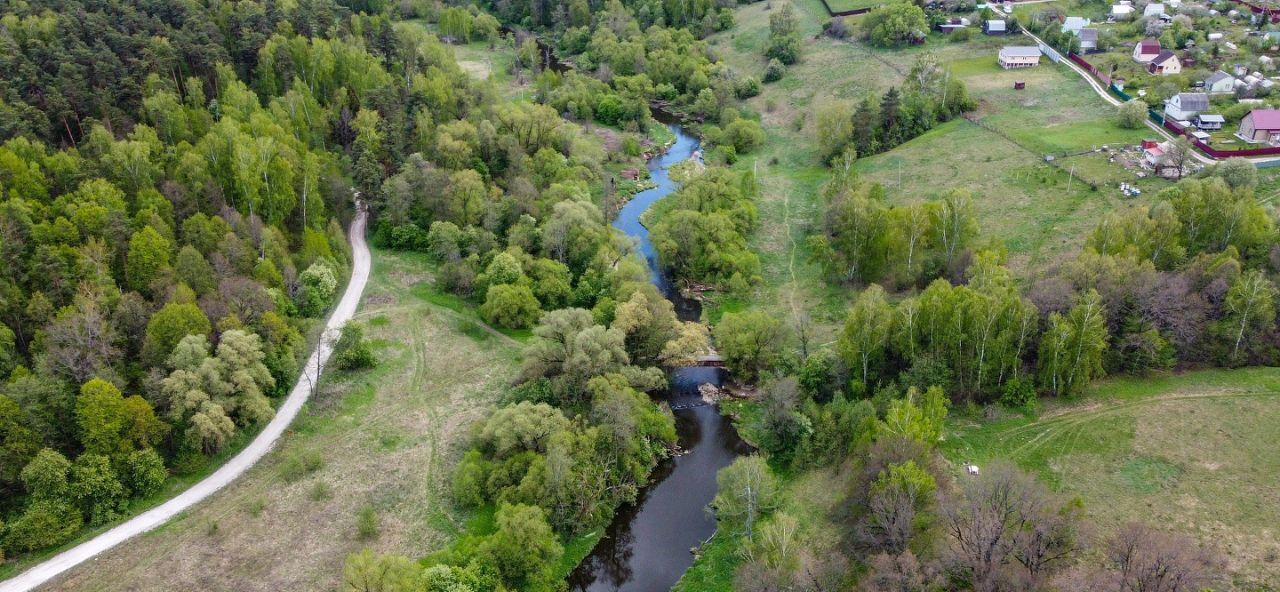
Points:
(1260, 126)
(1183, 106)
(953, 24)
(1121, 11)
(1154, 9)
(1153, 152)
(1220, 82)
(1146, 50)
(995, 27)
(1088, 40)
(1019, 56)
(1209, 121)
(1073, 24)
(1165, 64)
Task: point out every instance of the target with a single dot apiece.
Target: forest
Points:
(177, 177)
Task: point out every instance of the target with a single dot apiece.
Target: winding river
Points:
(647, 547)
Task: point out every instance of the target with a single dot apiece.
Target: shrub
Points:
(45, 523)
(352, 352)
(143, 473)
(299, 465)
(513, 307)
(837, 28)
(367, 523)
(747, 87)
(1131, 115)
(774, 71)
(320, 491)
(1019, 394)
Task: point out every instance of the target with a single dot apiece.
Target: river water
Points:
(647, 547)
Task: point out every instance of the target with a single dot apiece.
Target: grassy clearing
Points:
(843, 5)
(1023, 204)
(1192, 452)
(366, 464)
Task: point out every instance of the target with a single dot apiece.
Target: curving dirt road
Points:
(237, 465)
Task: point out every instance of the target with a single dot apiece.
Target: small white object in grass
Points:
(971, 468)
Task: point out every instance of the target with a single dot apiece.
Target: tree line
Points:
(928, 96)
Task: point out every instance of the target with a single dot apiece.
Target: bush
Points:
(45, 523)
(747, 87)
(352, 352)
(320, 491)
(367, 523)
(319, 283)
(1019, 394)
(1131, 115)
(774, 71)
(300, 465)
(837, 28)
(143, 473)
(513, 307)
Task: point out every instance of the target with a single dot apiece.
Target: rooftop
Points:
(1193, 101)
(1020, 51)
(1267, 119)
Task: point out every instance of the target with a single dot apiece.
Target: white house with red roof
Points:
(1146, 50)
(1260, 126)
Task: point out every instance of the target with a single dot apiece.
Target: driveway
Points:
(237, 465)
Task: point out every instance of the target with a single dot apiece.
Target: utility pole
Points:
(1071, 176)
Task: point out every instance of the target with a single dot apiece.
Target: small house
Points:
(995, 27)
(1146, 50)
(1088, 40)
(1073, 24)
(1201, 136)
(1019, 56)
(1260, 126)
(1153, 153)
(1209, 121)
(1184, 106)
(1220, 82)
(1121, 11)
(1165, 64)
(1154, 9)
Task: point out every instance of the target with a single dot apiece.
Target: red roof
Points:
(1149, 46)
(1265, 119)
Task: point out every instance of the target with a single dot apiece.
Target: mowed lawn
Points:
(384, 439)
(1195, 453)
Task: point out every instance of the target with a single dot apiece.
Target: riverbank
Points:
(646, 547)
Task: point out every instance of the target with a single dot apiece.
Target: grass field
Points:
(1193, 453)
(1036, 211)
(843, 5)
(384, 439)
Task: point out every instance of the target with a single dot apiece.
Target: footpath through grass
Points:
(1193, 453)
(382, 441)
